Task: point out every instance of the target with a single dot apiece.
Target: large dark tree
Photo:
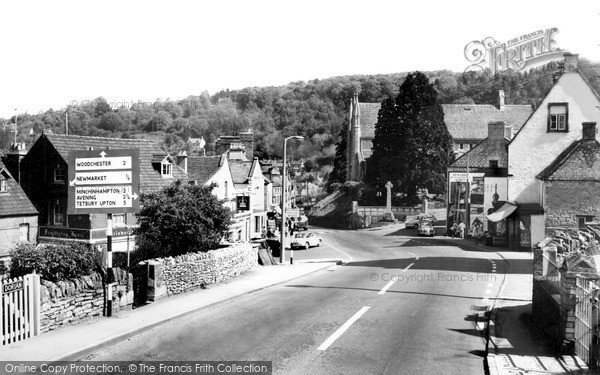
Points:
(412, 146)
(179, 219)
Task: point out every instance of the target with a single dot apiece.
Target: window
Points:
(460, 145)
(3, 185)
(583, 219)
(226, 190)
(166, 169)
(118, 220)
(558, 117)
(493, 163)
(24, 232)
(59, 175)
(59, 213)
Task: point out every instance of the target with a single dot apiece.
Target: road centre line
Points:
(414, 255)
(336, 249)
(327, 343)
(407, 267)
(386, 287)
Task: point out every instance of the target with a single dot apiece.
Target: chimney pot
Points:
(589, 130)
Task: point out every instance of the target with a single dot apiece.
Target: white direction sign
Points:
(104, 181)
(97, 178)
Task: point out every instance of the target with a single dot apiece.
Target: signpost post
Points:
(104, 182)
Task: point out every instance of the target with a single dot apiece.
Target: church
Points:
(467, 124)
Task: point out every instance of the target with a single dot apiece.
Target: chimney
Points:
(571, 61)
(501, 99)
(182, 160)
(508, 134)
(13, 159)
(496, 130)
(589, 131)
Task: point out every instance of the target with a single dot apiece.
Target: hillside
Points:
(314, 109)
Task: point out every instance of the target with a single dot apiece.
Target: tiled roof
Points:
(469, 121)
(479, 156)
(14, 202)
(368, 118)
(464, 121)
(202, 168)
(240, 170)
(150, 174)
(578, 162)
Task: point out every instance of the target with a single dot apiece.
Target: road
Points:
(402, 305)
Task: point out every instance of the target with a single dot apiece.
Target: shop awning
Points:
(503, 212)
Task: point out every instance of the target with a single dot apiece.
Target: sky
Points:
(56, 53)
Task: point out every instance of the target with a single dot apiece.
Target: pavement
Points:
(75, 341)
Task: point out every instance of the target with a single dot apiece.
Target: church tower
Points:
(354, 155)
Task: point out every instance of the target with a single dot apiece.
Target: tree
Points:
(338, 174)
(412, 146)
(180, 219)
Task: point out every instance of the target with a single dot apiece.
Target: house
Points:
(243, 143)
(197, 145)
(255, 192)
(18, 216)
(485, 168)
(206, 170)
(550, 130)
(570, 184)
(44, 172)
(466, 124)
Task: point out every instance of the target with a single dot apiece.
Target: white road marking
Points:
(407, 267)
(414, 255)
(343, 328)
(386, 287)
(341, 251)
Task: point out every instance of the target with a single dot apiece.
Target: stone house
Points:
(550, 130)
(44, 171)
(18, 216)
(571, 184)
(466, 124)
(486, 166)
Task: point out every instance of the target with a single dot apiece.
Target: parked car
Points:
(426, 228)
(302, 222)
(414, 223)
(306, 240)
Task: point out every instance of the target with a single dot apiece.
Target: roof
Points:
(464, 121)
(485, 150)
(240, 170)
(202, 168)
(150, 174)
(578, 162)
(469, 121)
(14, 202)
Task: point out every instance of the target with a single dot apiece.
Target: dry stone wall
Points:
(68, 302)
(197, 270)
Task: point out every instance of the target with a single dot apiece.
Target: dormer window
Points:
(59, 175)
(493, 163)
(166, 169)
(3, 185)
(558, 117)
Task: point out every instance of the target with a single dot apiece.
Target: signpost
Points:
(104, 182)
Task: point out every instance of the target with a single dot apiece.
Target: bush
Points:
(54, 261)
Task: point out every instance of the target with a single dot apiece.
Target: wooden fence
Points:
(20, 306)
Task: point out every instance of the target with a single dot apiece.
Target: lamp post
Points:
(283, 202)
(67, 118)
(467, 197)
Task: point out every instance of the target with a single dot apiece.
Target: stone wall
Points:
(197, 270)
(68, 302)
(567, 199)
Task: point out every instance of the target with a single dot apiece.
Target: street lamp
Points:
(283, 199)
(67, 118)
(467, 196)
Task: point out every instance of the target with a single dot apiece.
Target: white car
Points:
(306, 240)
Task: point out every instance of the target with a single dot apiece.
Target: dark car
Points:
(302, 222)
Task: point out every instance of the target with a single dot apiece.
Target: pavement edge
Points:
(78, 353)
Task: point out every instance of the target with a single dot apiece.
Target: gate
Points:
(586, 318)
(140, 284)
(20, 305)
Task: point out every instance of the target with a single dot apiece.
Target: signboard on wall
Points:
(104, 181)
(243, 202)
